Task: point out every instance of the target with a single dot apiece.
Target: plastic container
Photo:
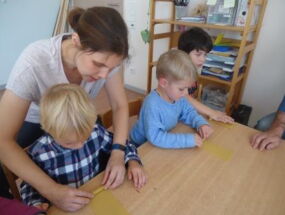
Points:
(214, 97)
(218, 14)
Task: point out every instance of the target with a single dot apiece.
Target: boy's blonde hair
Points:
(176, 65)
(66, 109)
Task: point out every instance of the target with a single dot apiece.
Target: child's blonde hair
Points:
(176, 65)
(66, 109)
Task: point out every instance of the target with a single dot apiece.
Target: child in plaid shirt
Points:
(67, 152)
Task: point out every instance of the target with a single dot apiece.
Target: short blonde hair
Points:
(66, 109)
(176, 65)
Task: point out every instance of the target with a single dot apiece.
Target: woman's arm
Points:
(212, 114)
(115, 170)
(13, 110)
(119, 104)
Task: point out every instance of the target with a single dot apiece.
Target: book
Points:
(198, 19)
(218, 58)
(221, 65)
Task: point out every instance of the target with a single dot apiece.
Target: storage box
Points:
(218, 14)
(241, 14)
(214, 97)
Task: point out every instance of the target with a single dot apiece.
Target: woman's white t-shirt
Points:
(38, 68)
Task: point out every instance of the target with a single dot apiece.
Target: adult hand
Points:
(221, 117)
(115, 170)
(265, 141)
(68, 198)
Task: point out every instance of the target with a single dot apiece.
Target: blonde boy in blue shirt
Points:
(165, 106)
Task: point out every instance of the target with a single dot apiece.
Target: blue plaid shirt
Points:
(72, 167)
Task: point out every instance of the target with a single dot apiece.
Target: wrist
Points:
(118, 146)
(50, 191)
(278, 131)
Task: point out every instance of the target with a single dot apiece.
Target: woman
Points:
(89, 57)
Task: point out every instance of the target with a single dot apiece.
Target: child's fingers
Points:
(207, 133)
(203, 134)
(200, 132)
(135, 179)
(45, 206)
(130, 176)
(143, 179)
(198, 140)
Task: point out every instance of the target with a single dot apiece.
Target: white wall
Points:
(265, 86)
(21, 23)
(136, 68)
(135, 13)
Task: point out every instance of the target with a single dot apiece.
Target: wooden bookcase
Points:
(247, 46)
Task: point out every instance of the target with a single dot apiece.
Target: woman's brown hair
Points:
(100, 29)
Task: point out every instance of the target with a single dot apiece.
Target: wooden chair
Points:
(134, 110)
(12, 181)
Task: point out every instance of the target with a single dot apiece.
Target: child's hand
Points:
(205, 131)
(221, 117)
(42, 206)
(136, 173)
(198, 140)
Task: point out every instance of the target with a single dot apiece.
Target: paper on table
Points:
(227, 125)
(217, 150)
(104, 203)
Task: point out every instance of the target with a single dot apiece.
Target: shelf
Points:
(257, 2)
(203, 25)
(220, 81)
(249, 47)
(246, 45)
(214, 79)
(153, 63)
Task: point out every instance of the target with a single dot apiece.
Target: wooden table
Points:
(196, 181)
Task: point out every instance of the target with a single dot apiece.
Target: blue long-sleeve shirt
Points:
(158, 116)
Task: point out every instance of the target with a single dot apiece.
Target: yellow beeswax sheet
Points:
(226, 125)
(104, 203)
(217, 150)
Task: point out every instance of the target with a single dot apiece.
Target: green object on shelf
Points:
(219, 39)
(145, 34)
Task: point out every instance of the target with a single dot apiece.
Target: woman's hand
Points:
(115, 170)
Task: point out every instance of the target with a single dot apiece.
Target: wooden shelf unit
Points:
(236, 85)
